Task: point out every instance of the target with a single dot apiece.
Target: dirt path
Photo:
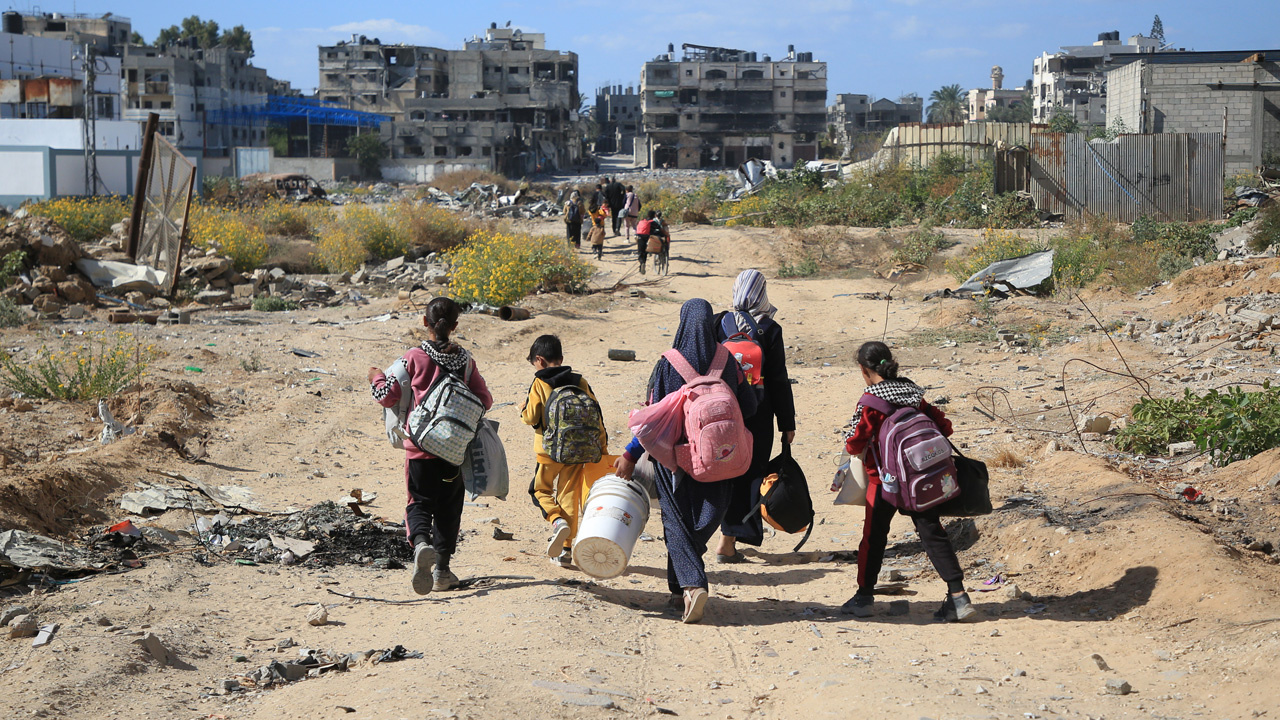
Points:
(1106, 569)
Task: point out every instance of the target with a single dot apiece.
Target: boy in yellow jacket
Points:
(571, 435)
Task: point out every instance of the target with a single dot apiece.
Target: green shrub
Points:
(272, 303)
(1234, 425)
(920, 245)
(1267, 232)
(90, 366)
(500, 268)
(85, 219)
(807, 267)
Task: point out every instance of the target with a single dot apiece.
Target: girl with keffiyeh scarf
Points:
(691, 510)
(880, 372)
(434, 512)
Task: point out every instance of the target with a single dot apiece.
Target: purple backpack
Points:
(913, 456)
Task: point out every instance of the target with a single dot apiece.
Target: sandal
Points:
(695, 604)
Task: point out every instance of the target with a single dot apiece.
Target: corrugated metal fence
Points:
(1173, 176)
(918, 144)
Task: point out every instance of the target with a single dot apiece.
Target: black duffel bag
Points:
(975, 494)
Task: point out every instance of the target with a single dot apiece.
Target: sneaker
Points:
(946, 613)
(444, 580)
(559, 536)
(859, 605)
(424, 557)
(964, 609)
(563, 560)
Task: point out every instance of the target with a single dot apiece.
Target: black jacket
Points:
(778, 398)
(616, 193)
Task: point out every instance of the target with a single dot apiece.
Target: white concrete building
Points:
(1074, 78)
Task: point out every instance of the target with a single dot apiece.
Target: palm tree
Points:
(946, 104)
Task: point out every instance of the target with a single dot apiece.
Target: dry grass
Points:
(1008, 458)
(462, 179)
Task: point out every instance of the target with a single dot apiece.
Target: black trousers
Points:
(616, 212)
(573, 233)
(435, 502)
(642, 249)
(875, 537)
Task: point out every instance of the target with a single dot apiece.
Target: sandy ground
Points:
(1155, 588)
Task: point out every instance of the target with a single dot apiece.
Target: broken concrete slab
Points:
(45, 635)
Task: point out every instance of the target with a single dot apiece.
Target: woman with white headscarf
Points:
(752, 317)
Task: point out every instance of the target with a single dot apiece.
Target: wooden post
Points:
(140, 187)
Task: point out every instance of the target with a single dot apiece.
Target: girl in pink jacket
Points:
(434, 513)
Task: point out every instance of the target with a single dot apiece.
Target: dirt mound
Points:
(56, 478)
(1203, 287)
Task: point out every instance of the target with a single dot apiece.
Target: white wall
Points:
(25, 56)
(24, 172)
(424, 171)
(67, 134)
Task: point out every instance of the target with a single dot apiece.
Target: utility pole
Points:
(89, 122)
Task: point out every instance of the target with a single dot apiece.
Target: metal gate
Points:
(167, 203)
(249, 160)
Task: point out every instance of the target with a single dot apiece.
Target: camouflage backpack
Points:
(572, 426)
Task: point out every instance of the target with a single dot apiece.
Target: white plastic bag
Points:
(484, 470)
(851, 480)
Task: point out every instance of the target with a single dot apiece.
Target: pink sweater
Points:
(422, 373)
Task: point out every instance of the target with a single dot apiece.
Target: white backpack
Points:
(448, 418)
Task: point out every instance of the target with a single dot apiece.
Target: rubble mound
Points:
(340, 536)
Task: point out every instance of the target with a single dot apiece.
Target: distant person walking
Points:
(751, 324)
(574, 213)
(616, 195)
(691, 510)
(631, 210)
(597, 198)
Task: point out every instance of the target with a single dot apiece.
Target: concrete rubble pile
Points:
(488, 200)
(49, 280)
(402, 273)
(1248, 323)
(1233, 243)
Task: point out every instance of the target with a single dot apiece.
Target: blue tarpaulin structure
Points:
(279, 108)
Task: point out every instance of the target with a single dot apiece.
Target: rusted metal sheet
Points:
(1171, 176)
(35, 90)
(64, 92)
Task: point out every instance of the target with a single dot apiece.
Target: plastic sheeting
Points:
(1019, 273)
(36, 552)
(122, 276)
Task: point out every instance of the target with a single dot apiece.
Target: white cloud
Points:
(1007, 31)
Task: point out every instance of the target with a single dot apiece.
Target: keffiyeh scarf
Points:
(900, 391)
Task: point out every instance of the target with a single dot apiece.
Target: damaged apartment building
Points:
(854, 114)
(187, 85)
(503, 103)
(617, 116)
(718, 107)
(44, 70)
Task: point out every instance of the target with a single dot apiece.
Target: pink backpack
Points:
(717, 443)
(913, 456)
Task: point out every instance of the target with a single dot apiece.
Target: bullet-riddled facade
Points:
(503, 102)
(718, 107)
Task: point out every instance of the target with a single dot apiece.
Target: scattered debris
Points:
(26, 550)
(318, 615)
(1116, 686)
(45, 636)
(622, 355)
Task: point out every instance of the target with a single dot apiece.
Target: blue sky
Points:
(881, 47)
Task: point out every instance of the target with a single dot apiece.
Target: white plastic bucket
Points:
(614, 516)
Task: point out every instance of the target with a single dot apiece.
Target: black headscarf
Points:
(696, 341)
